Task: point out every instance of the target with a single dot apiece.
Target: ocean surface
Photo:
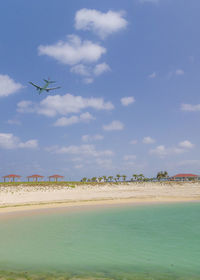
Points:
(125, 242)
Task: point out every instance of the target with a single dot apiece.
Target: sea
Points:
(155, 241)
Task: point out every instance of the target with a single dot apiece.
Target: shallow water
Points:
(138, 242)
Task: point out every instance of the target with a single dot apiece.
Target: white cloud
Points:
(133, 142)
(180, 72)
(8, 86)
(89, 138)
(125, 101)
(63, 105)
(163, 151)
(89, 72)
(73, 51)
(81, 69)
(79, 166)
(129, 157)
(26, 106)
(101, 68)
(114, 125)
(100, 23)
(190, 107)
(14, 122)
(189, 162)
(186, 144)
(9, 141)
(148, 140)
(83, 150)
(30, 144)
(153, 75)
(105, 163)
(85, 117)
(88, 80)
(159, 151)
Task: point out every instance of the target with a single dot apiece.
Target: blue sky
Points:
(129, 98)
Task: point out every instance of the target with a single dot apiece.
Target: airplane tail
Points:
(48, 81)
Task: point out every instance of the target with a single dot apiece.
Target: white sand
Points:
(138, 192)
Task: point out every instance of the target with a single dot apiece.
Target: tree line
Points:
(123, 178)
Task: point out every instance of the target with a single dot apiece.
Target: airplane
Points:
(45, 87)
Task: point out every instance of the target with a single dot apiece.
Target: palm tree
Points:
(141, 177)
(110, 178)
(135, 177)
(162, 174)
(105, 178)
(124, 177)
(100, 179)
(118, 177)
(94, 179)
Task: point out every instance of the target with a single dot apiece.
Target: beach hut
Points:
(185, 177)
(11, 177)
(55, 177)
(35, 177)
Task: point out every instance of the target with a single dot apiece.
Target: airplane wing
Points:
(48, 89)
(37, 87)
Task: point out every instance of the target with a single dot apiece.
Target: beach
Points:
(24, 196)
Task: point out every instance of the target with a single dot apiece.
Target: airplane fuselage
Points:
(44, 88)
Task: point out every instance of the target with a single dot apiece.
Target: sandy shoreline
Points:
(21, 198)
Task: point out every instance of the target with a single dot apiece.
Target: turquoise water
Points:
(139, 242)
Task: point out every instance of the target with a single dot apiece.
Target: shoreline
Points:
(60, 205)
(23, 198)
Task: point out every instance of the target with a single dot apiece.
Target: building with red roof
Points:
(185, 177)
(35, 177)
(11, 177)
(55, 177)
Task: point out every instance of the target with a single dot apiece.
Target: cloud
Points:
(189, 162)
(186, 144)
(133, 142)
(125, 101)
(73, 51)
(8, 86)
(152, 76)
(148, 140)
(160, 150)
(14, 122)
(82, 150)
(79, 166)
(90, 138)
(105, 163)
(179, 72)
(190, 107)
(102, 24)
(83, 118)
(114, 125)
(81, 69)
(88, 80)
(129, 157)
(52, 106)
(9, 141)
(163, 151)
(89, 72)
(101, 68)
(26, 106)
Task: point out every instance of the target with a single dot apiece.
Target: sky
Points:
(129, 100)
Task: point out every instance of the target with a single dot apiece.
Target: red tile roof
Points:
(12, 176)
(56, 176)
(35, 176)
(185, 175)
